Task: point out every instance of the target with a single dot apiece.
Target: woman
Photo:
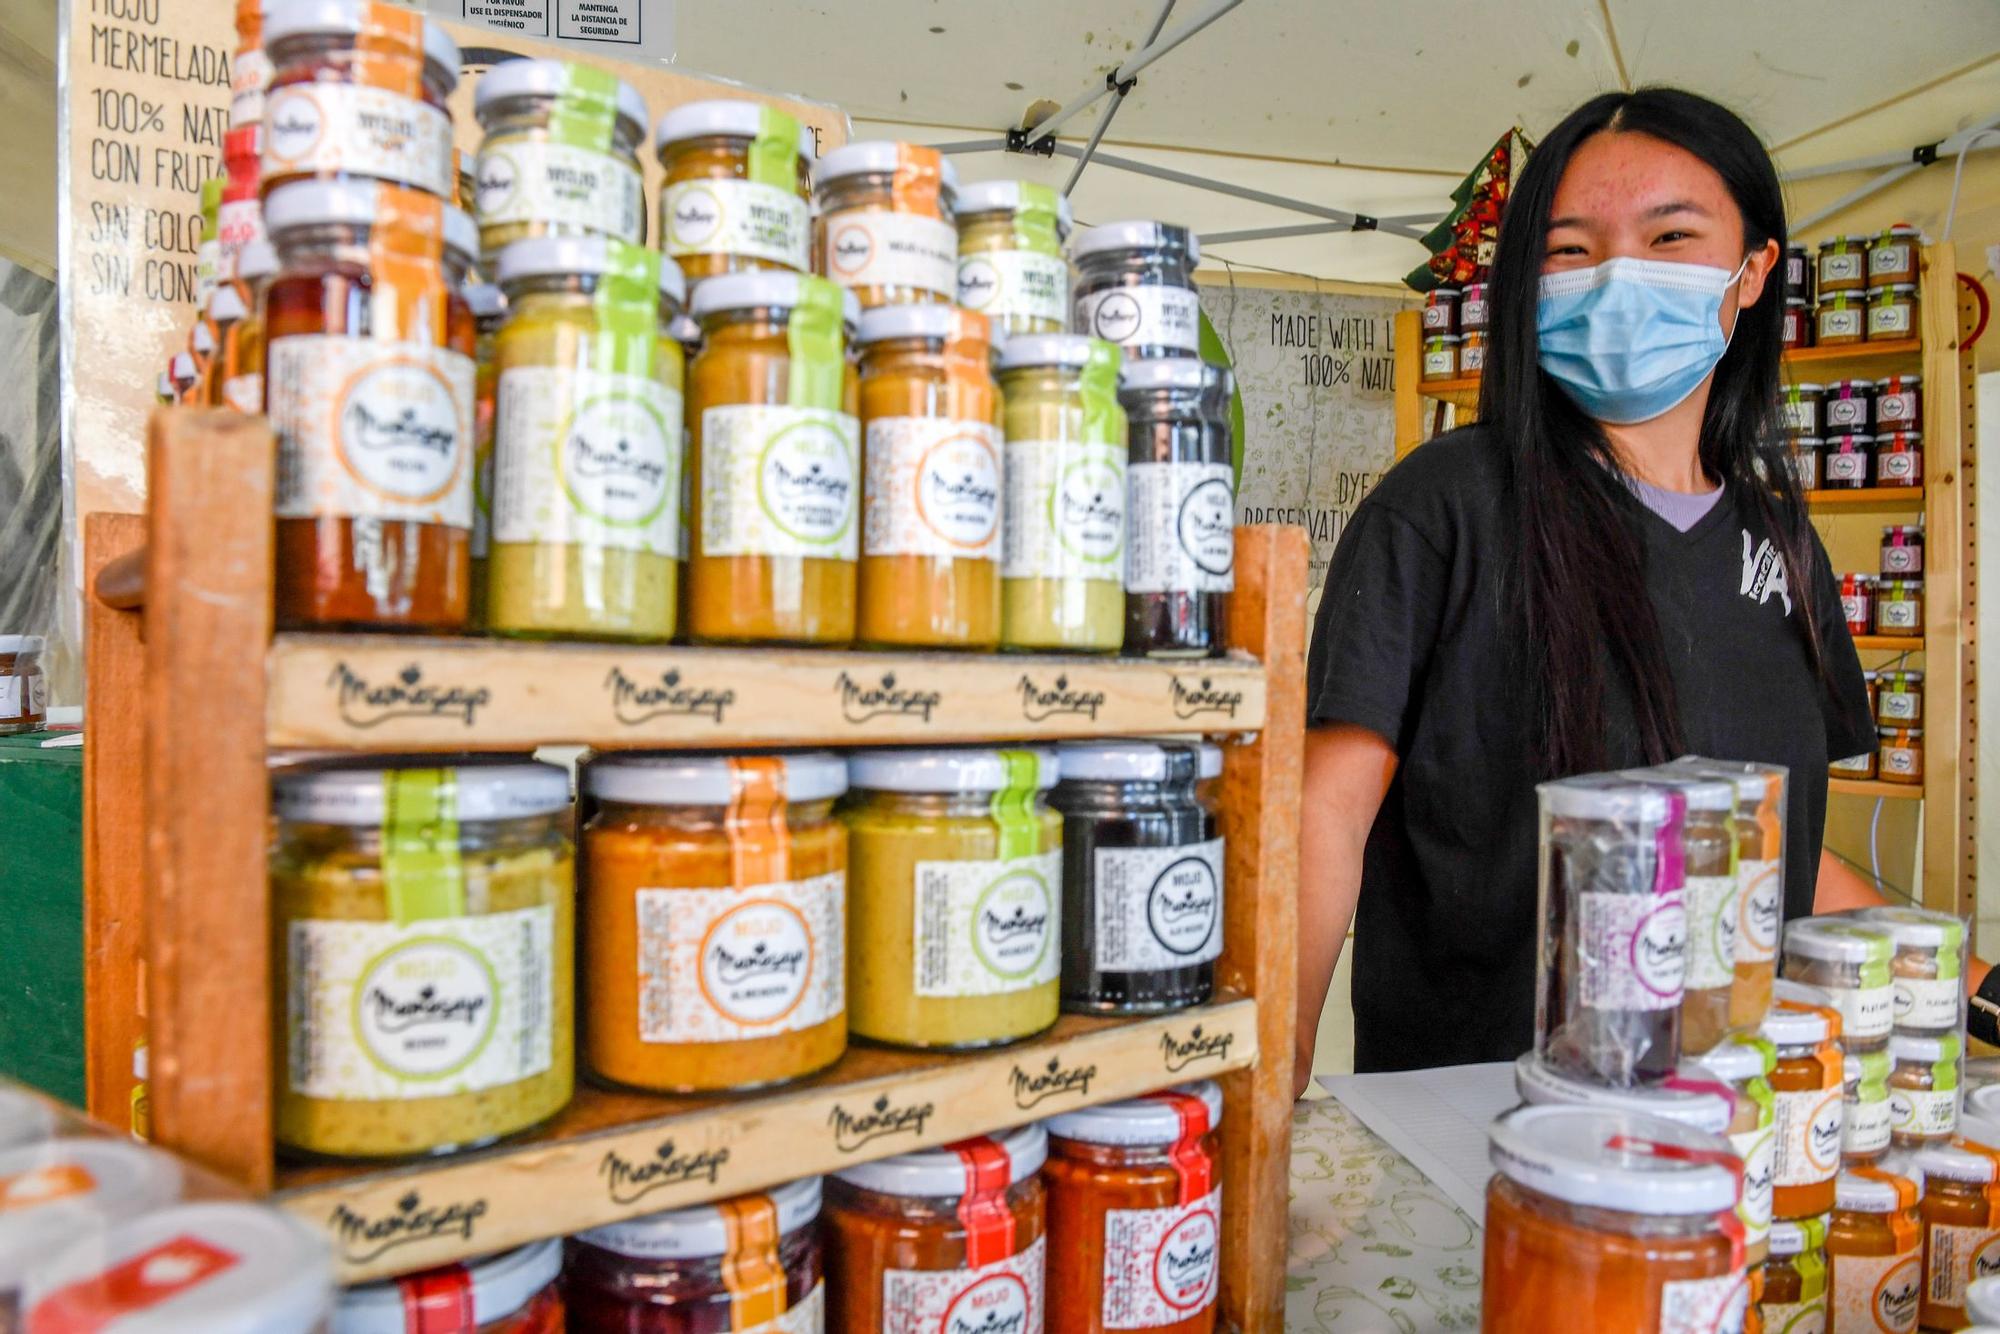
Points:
(1613, 568)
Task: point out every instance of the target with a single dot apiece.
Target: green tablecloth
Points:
(41, 914)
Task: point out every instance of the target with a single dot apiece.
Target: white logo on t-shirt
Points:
(1764, 573)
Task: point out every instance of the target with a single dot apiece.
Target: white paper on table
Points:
(1437, 1119)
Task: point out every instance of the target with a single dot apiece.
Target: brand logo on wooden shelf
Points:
(1054, 1080)
(667, 695)
(1039, 702)
(365, 703)
(626, 1182)
(1181, 1052)
(1202, 695)
(363, 1239)
(861, 701)
(879, 1120)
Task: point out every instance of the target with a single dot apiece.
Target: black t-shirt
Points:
(1420, 640)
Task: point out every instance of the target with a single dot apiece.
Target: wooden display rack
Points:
(1947, 502)
(189, 692)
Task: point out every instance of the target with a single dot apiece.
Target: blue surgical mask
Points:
(1629, 339)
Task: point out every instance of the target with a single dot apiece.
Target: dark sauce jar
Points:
(1180, 490)
(1142, 877)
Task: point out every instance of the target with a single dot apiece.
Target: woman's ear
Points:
(1757, 271)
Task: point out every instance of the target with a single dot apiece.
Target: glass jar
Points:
(886, 226)
(489, 312)
(1135, 288)
(1605, 1220)
(1713, 902)
(1807, 452)
(1892, 256)
(1473, 311)
(1899, 702)
(931, 494)
(24, 690)
(1797, 329)
(1864, 1135)
(1611, 968)
(1875, 1253)
(1441, 311)
(587, 432)
(422, 920)
(737, 192)
(913, 1240)
(1142, 878)
(1799, 409)
(1698, 1102)
(514, 1292)
(1849, 959)
(1181, 506)
(369, 388)
(1840, 319)
(1902, 550)
(1135, 1209)
(558, 154)
(358, 89)
(1472, 354)
(1930, 962)
(239, 216)
(224, 312)
(239, 377)
(1925, 1075)
(1848, 407)
(775, 476)
(1441, 356)
(750, 1263)
(1062, 578)
(1901, 755)
(1807, 1088)
(1010, 256)
(1899, 459)
(1843, 265)
(1961, 1219)
(954, 896)
(1799, 273)
(1794, 1300)
(1857, 603)
(714, 919)
(1899, 607)
(249, 68)
(1847, 462)
(1745, 1062)
(1899, 403)
(1892, 312)
(1860, 766)
(58, 1192)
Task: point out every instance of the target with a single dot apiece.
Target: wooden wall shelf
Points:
(1846, 362)
(1875, 787)
(1886, 499)
(1890, 643)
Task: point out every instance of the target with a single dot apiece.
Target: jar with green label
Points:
(1745, 1061)
(954, 885)
(1010, 258)
(1794, 1297)
(738, 188)
(1864, 1133)
(587, 435)
(560, 154)
(422, 937)
(1062, 573)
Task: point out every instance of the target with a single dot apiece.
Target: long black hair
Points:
(1580, 560)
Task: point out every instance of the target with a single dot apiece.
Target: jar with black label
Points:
(1180, 506)
(1799, 405)
(1843, 265)
(1848, 462)
(1899, 403)
(1847, 406)
(1902, 550)
(1798, 328)
(1798, 273)
(1441, 311)
(1899, 459)
(1142, 878)
(1892, 256)
(1441, 356)
(1473, 311)
(1135, 287)
(1899, 607)
(1840, 319)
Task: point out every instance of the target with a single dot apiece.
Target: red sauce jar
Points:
(1902, 550)
(1899, 459)
(1857, 603)
(1848, 462)
(1135, 1212)
(1899, 403)
(748, 1263)
(1847, 406)
(946, 1241)
(514, 1292)
(369, 388)
(1441, 311)
(240, 218)
(1798, 329)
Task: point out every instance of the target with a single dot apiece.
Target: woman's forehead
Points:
(1628, 177)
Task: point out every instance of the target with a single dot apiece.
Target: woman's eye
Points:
(1670, 237)
(1564, 251)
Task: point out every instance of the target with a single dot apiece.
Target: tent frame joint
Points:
(1018, 142)
(1925, 154)
(1364, 223)
(1122, 87)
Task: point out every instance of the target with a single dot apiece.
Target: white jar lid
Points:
(23, 644)
(24, 1118)
(1804, 387)
(293, 18)
(683, 779)
(258, 259)
(942, 1174)
(762, 288)
(1148, 373)
(1542, 1085)
(352, 795)
(1138, 1122)
(1786, 1026)
(1925, 1048)
(1120, 761)
(281, 1277)
(83, 1186)
(879, 155)
(488, 302)
(1211, 760)
(225, 303)
(1982, 1299)
(1605, 797)
(1005, 197)
(1795, 1236)
(929, 319)
(201, 338)
(1069, 351)
(699, 1232)
(1613, 1160)
(1852, 437)
(1948, 1163)
(721, 116)
(969, 770)
(541, 256)
(1703, 792)
(1887, 291)
(1890, 382)
(1871, 1195)
(352, 201)
(499, 1285)
(1752, 782)
(1737, 1059)
(1918, 928)
(184, 368)
(1838, 940)
(1136, 235)
(548, 78)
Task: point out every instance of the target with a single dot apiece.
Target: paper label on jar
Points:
(1794, 1317)
(1004, 1297)
(442, 1006)
(721, 965)
(10, 698)
(1956, 1258)
(249, 80)
(1843, 466)
(1890, 259)
(1182, 524)
(1923, 1113)
(1839, 322)
(1143, 316)
(1471, 359)
(587, 458)
(1800, 415)
(748, 219)
(870, 248)
(933, 489)
(1808, 1141)
(1634, 948)
(539, 181)
(1065, 512)
(1896, 613)
(1841, 266)
(1441, 363)
(1898, 466)
(1903, 706)
(1865, 1012)
(780, 481)
(245, 393)
(1924, 1002)
(1762, 911)
(982, 928)
(1902, 558)
(1866, 1127)
(1472, 313)
(371, 429)
(1158, 907)
(1898, 407)
(1846, 412)
(1161, 1265)
(1759, 1151)
(1899, 760)
(1876, 1292)
(1890, 319)
(808, 1317)
(1705, 1305)
(238, 222)
(358, 130)
(1712, 910)
(1857, 611)
(1023, 284)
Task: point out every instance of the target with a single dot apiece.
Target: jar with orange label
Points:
(359, 89)
(1807, 1086)
(1961, 1221)
(1874, 1253)
(1760, 853)
(887, 227)
(369, 388)
(713, 919)
(738, 188)
(931, 493)
(1901, 755)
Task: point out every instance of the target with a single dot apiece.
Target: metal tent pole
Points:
(1129, 71)
(1117, 100)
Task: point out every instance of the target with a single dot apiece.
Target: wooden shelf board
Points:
(1891, 643)
(613, 1155)
(1868, 498)
(391, 692)
(1813, 364)
(1875, 787)
(1462, 392)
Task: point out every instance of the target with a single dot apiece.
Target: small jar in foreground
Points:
(1687, 1097)
(737, 191)
(1875, 1253)
(1850, 959)
(1135, 288)
(24, 690)
(1181, 506)
(514, 1292)
(1807, 1087)
(1925, 1078)
(1712, 897)
(1010, 256)
(1864, 1135)
(1794, 1297)
(560, 154)
(1961, 1218)
(1928, 971)
(1746, 1063)
(1760, 850)
(887, 223)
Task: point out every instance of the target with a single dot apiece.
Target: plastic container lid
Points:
(226, 303)
(258, 259)
(352, 202)
(942, 1173)
(970, 770)
(1852, 437)
(1890, 382)
(1614, 1160)
(1117, 761)
(924, 320)
(1795, 1236)
(1005, 197)
(1838, 940)
(1703, 792)
(1787, 1026)
(1881, 291)
(1069, 351)
(1911, 582)
(1925, 1048)
(486, 299)
(256, 1270)
(294, 18)
(59, 1190)
(1737, 1059)
(1137, 1123)
(1540, 1085)
(1605, 797)
(1211, 760)
(1911, 732)
(760, 288)
(1919, 928)
(1751, 783)
(23, 644)
(498, 1285)
(1947, 1163)
(1135, 236)
(1982, 1299)
(353, 796)
(697, 1233)
(722, 116)
(548, 78)
(704, 780)
(1142, 374)
(1876, 1194)
(24, 1118)
(878, 155)
(540, 256)
(1804, 387)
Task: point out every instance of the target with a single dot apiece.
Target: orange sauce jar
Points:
(713, 920)
(1874, 1254)
(1961, 1219)
(1807, 1084)
(930, 512)
(738, 188)
(887, 225)
(1792, 1299)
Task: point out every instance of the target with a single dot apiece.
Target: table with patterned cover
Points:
(1375, 1248)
